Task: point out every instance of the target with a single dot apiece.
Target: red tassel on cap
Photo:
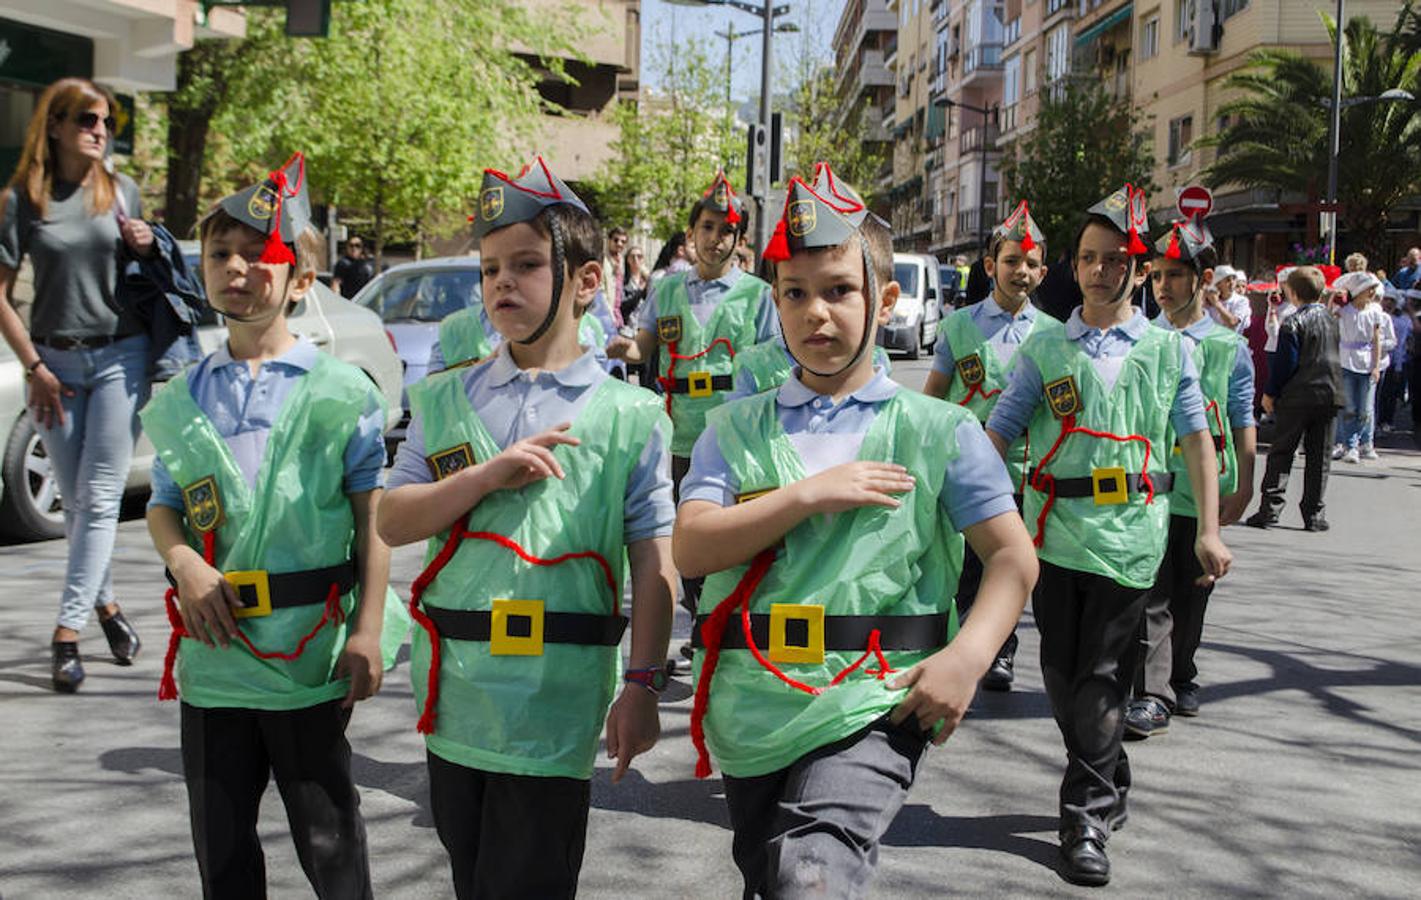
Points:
(777, 250)
(1173, 251)
(1137, 246)
(276, 252)
(1027, 244)
(731, 216)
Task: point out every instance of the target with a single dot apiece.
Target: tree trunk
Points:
(187, 146)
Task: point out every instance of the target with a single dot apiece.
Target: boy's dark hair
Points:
(1306, 283)
(994, 246)
(703, 204)
(879, 241)
(582, 236)
(1092, 219)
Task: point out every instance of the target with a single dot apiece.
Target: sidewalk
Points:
(1301, 778)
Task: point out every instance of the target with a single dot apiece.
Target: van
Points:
(913, 326)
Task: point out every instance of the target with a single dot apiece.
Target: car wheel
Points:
(31, 508)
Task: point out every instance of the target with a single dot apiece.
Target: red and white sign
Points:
(1195, 202)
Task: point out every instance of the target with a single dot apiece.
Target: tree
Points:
(816, 134)
(1279, 134)
(670, 143)
(1085, 145)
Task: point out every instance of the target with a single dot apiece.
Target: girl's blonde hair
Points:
(34, 176)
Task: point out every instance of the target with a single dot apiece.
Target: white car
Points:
(913, 325)
(30, 505)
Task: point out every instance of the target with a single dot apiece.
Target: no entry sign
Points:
(1195, 202)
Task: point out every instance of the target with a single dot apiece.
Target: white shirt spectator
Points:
(1357, 326)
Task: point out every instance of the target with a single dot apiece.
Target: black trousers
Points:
(690, 587)
(228, 757)
(1389, 394)
(1089, 628)
(1174, 618)
(967, 585)
(509, 837)
(1312, 427)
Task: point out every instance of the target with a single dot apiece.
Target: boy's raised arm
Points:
(633, 724)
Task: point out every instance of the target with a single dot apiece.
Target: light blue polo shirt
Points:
(514, 404)
(1105, 349)
(996, 324)
(244, 407)
(827, 434)
(1240, 378)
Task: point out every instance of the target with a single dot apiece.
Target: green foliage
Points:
(1280, 132)
(816, 132)
(1085, 145)
(670, 143)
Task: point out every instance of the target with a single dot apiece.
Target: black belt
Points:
(290, 589)
(558, 627)
(1218, 443)
(717, 383)
(1086, 487)
(927, 632)
(78, 343)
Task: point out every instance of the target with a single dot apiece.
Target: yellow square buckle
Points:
(516, 628)
(1110, 486)
(698, 384)
(796, 633)
(253, 590)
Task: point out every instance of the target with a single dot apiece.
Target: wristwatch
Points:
(653, 679)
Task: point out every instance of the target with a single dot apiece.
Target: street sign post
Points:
(1195, 202)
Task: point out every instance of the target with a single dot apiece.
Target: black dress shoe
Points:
(68, 671)
(1083, 860)
(1000, 676)
(1186, 701)
(1145, 717)
(123, 640)
(1316, 523)
(1260, 519)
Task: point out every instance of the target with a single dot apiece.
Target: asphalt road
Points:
(1299, 779)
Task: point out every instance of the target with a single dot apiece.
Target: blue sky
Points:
(816, 19)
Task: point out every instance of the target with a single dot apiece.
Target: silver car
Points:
(30, 505)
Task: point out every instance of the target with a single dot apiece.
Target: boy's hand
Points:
(942, 687)
(1268, 404)
(633, 725)
(361, 662)
(618, 346)
(852, 485)
(530, 460)
(1233, 506)
(1213, 556)
(206, 601)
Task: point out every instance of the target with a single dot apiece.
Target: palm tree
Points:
(1278, 135)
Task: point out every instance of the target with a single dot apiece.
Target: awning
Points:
(1105, 24)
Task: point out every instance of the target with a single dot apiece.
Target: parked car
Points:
(412, 299)
(913, 325)
(30, 505)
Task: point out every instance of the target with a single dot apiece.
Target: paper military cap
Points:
(721, 197)
(505, 201)
(816, 216)
(278, 207)
(1020, 227)
(1187, 242)
(1126, 209)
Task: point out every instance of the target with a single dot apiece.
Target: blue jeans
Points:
(91, 453)
(1355, 424)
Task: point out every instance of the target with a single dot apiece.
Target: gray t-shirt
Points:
(76, 261)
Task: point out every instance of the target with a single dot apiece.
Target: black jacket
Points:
(1306, 367)
(169, 299)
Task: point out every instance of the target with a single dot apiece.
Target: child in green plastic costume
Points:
(536, 477)
(828, 517)
(1097, 397)
(268, 472)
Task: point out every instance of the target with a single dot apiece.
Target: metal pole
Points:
(762, 204)
(982, 189)
(729, 54)
(1336, 143)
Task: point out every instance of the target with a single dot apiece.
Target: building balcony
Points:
(971, 139)
(981, 58)
(1055, 6)
(1011, 32)
(1008, 117)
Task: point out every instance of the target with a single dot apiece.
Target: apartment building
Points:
(866, 35)
(912, 65)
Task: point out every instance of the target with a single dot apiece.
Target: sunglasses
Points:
(87, 120)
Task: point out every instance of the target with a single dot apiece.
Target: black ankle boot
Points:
(68, 671)
(123, 640)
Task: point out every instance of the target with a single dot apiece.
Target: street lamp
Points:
(984, 112)
(768, 13)
(731, 37)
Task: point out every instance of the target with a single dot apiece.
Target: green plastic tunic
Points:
(870, 561)
(1214, 357)
(991, 377)
(733, 319)
(462, 339)
(770, 366)
(532, 715)
(591, 333)
(299, 517)
(1123, 541)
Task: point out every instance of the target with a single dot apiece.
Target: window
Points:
(1183, 19)
(1011, 81)
(1181, 135)
(1228, 8)
(1149, 38)
(1029, 65)
(1058, 58)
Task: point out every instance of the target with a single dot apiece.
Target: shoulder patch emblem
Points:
(970, 370)
(447, 462)
(668, 329)
(1064, 398)
(203, 502)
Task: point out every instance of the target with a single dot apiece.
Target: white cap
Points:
(1225, 271)
(1355, 283)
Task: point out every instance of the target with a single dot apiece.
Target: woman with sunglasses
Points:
(85, 356)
